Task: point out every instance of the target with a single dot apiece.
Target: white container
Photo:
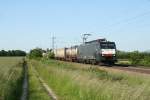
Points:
(60, 53)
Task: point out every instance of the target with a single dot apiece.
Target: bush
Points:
(35, 53)
(51, 55)
(146, 61)
(123, 55)
(135, 58)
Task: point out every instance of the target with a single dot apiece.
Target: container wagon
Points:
(60, 54)
(71, 53)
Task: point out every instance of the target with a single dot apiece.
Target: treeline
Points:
(12, 53)
(136, 57)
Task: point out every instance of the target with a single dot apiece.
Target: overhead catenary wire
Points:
(126, 21)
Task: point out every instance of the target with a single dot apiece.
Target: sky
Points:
(26, 24)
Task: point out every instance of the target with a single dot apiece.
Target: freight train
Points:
(94, 52)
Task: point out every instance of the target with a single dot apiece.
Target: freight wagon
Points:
(95, 51)
(60, 54)
(71, 53)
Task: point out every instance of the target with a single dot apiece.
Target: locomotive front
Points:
(108, 52)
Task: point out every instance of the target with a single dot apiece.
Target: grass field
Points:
(77, 82)
(11, 76)
(70, 81)
(11, 80)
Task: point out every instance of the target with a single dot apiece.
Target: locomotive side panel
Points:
(87, 52)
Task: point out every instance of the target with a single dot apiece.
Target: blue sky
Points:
(26, 24)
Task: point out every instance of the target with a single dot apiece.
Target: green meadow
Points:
(11, 78)
(70, 81)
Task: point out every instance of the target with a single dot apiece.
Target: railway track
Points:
(132, 69)
(129, 68)
(122, 67)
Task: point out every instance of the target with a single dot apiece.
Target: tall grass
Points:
(75, 82)
(36, 91)
(11, 76)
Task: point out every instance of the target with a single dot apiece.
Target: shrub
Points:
(135, 58)
(35, 53)
(51, 55)
(146, 61)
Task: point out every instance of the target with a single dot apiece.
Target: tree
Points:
(3, 53)
(19, 53)
(51, 55)
(36, 53)
(12, 53)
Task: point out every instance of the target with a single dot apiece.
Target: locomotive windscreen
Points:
(108, 45)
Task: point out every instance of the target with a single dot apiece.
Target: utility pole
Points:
(85, 36)
(53, 43)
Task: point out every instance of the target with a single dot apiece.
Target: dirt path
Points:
(25, 84)
(45, 86)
